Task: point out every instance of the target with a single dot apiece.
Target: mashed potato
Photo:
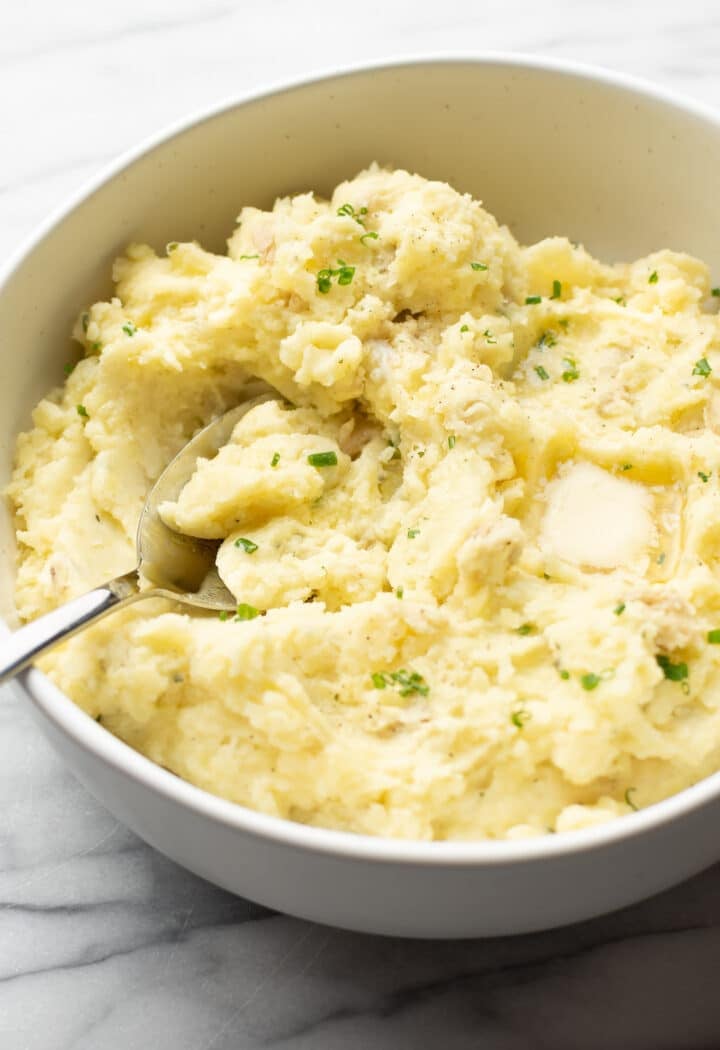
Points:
(475, 545)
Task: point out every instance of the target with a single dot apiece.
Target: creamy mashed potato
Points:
(475, 545)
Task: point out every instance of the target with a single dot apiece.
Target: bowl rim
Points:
(74, 723)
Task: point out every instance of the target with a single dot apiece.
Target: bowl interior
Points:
(548, 150)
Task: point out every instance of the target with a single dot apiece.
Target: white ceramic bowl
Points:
(549, 148)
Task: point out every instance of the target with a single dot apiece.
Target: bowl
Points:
(550, 148)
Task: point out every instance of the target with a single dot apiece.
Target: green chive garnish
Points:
(571, 373)
(322, 459)
(702, 368)
(590, 681)
(675, 672)
(247, 545)
(520, 717)
(246, 612)
(628, 800)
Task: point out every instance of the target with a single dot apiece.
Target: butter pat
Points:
(596, 519)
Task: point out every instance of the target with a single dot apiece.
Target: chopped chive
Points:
(557, 290)
(675, 672)
(478, 266)
(620, 300)
(129, 328)
(82, 411)
(570, 373)
(224, 615)
(96, 347)
(715, 292)
(489, 337)
(653, 278)
(344, 274)
(410, 682)
(564, 675)
(275, 459)
(451, 441)
(541, 372)
(247, 545)
(626, 466)
(67, 369)
(85, 320)
(246, 612)
(526, 628)
(465, 328)
(704, 477)
(324, 282)
(628, 800)
(661, 558)
(590, 681)
(619, 609)
(322, 459)
(347, 209)
(533, 300)
(702, 368)
(713, 637)
(399, 592)
(412, 533)
(546, 339)
(171, 246)
(369, 236)
(241, 257)
(520, 717)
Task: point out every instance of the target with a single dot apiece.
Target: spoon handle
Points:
(19, 649)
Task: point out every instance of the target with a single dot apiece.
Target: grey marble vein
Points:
(105, 944)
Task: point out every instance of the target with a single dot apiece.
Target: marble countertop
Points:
(105, 944)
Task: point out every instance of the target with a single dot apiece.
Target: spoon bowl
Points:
(174, 565)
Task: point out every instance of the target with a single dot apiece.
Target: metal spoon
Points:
(178, 567)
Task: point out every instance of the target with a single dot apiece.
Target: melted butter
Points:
(596, 519)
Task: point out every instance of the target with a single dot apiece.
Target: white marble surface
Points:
(104, 944)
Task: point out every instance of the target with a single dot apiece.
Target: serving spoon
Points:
(178, 567)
